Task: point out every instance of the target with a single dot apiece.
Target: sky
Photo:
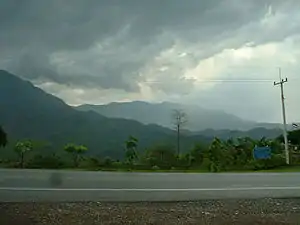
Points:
(219, 54)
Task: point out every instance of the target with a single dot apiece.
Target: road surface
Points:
(61, 186)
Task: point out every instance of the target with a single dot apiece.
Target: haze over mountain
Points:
(28, 112)
(161, 114)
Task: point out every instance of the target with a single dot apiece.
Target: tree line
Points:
(219, 155)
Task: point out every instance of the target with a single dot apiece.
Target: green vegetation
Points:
(31, 114)
(230, 155)
(130, 150)
(21, 148)
(76, 152)
(44, 132)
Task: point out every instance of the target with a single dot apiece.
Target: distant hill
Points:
(160, 113)
(28, 112)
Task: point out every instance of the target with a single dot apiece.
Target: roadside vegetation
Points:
(219, 156)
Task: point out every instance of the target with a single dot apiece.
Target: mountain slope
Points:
(161, 114)
(28, 112)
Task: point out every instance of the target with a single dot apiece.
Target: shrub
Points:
(155, 168)
(107, 162)
(47, 162)
(295, 158)
(265, 164)
(213, 167)
(117, 165)
(141, 166)
(254, 165)
(90, 163)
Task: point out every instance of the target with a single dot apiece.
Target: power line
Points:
(214, 80)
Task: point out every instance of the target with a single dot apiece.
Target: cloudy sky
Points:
(221, 54)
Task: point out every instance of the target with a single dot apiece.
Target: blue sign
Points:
(262, 152)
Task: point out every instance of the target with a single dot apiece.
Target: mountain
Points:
(28, 112)
(161, 113)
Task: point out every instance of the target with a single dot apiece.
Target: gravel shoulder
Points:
(246, 212)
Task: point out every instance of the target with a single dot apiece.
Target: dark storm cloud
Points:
(66, 24)
(130, 34)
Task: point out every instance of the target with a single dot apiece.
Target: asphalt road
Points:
(60, 186)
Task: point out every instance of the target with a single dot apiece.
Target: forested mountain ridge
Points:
(28, 112)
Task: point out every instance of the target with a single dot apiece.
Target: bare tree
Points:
(179, 119)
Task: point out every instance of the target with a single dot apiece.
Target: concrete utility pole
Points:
(286, 146)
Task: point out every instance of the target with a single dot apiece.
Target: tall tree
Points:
(76, 151)
(293, 137)
(179, 119)
(130, 149)
(21, 148)
(3, 138)
(216, 155)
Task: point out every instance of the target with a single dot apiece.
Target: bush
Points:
(276, 161)
(254, 165)
(264, 164)
(47, 162)
(295, 158)
(118, 165)
(161, 155)
(90, 163)
(213, 167)
(141, 166)
(155, 168)
(108, 162)
(183, 161)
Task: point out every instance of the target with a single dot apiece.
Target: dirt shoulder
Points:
(246, 212)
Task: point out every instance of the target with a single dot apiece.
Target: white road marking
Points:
(149, 189)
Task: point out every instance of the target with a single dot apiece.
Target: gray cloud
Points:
(109, 43)
(99, 51)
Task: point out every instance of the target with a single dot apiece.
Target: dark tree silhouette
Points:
(3, 137)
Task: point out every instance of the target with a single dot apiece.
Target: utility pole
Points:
(179, 119)
(286, 147)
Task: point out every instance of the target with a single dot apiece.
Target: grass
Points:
(295, 168)
(146, 170)
(281, 169)
(292, 168)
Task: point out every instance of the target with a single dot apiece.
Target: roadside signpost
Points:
(262, 152)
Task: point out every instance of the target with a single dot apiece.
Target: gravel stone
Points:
(225, 212)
